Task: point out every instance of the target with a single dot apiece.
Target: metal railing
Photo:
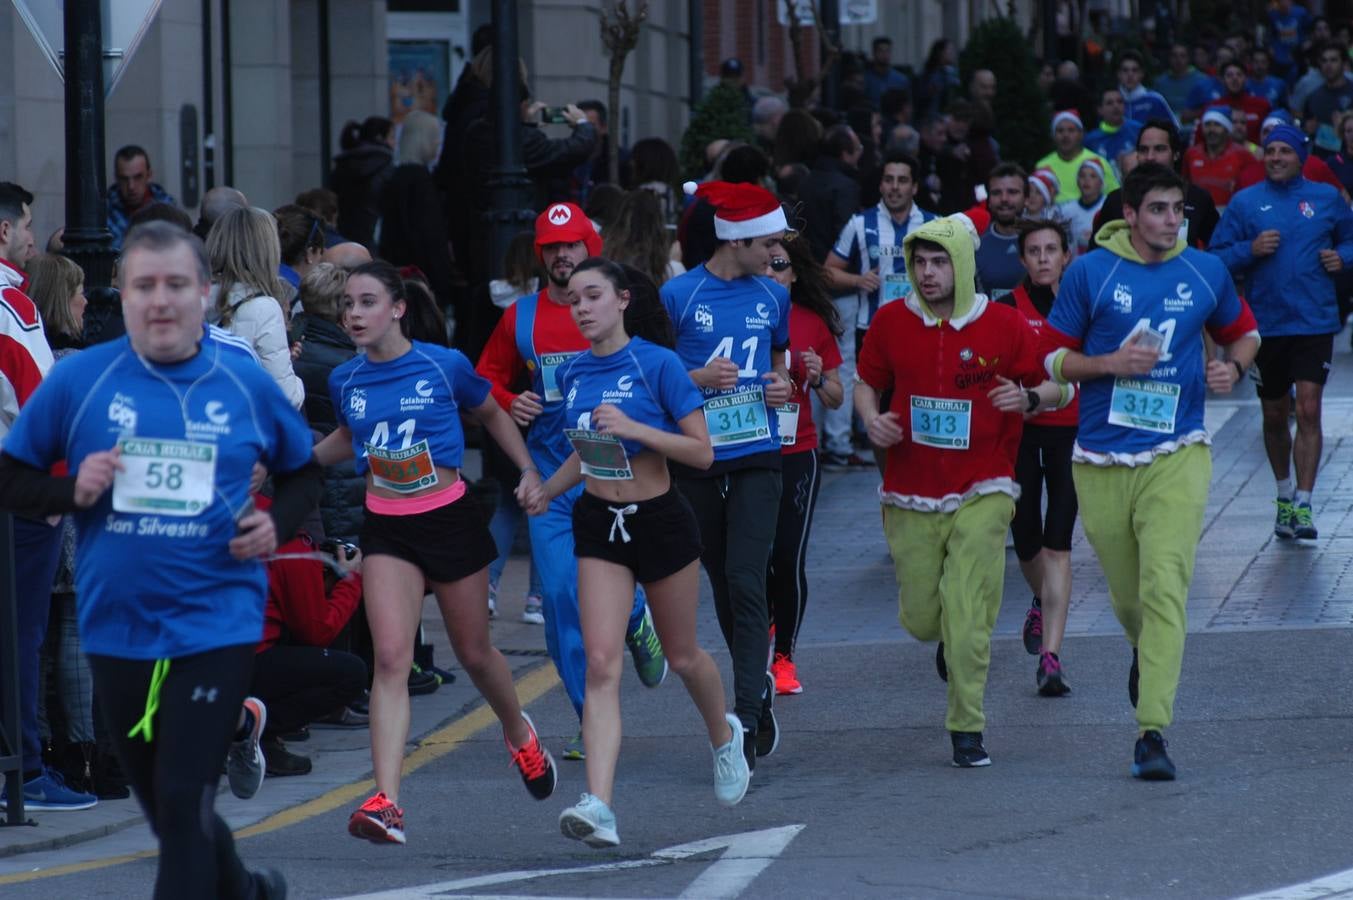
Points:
(11, 736)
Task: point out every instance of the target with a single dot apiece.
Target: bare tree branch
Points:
(620, 35)
(801, 87)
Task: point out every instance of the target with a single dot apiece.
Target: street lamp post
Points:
(87, 239)
(509, 188)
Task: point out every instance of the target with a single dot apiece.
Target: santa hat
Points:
(1067, 115)
(1218, 114)
(1046, 182)
(1274, 119)
(566, 223)
(741, 211)
(1095, 164)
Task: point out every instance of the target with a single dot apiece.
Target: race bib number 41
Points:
(940, 422)
(167, 478)
(1145, 405)
(738, 418)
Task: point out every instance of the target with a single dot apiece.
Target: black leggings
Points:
(301, 684)
(1044, 457)
(175, 776)
(787, 578)
(736, 512)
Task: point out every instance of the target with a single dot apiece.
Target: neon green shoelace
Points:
(146, 727)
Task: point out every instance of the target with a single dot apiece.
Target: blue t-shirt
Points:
(998, 263)
(159, 582)
(398, 404)
(1102, 300)
(1271, 88)
(744, 320)
(1178, 90)
(1109, 144)
(1206, 91)
(648, 383)
(1288, 31)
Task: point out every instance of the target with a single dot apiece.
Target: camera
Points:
(339, 550)
(554, 115)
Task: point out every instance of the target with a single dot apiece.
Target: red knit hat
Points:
(565, 223)
(741, 210)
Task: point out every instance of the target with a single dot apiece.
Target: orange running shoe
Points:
(378, 820)
(535, 763)
(786, 676)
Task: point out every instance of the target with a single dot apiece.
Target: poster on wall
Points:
(420, 76)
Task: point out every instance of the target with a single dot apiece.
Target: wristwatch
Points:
(1240, 370)
(1034, 400)
(821, 380)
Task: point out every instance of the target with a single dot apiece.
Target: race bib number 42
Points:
(940, 422)
(1145, 405)
(403, 471)
(738, 418)
(167, 478)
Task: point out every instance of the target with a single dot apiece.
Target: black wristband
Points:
(1034, 400)
(1240, 370)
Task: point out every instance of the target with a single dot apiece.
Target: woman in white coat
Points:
(245, 254)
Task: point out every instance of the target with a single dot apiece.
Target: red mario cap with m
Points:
(566, 223)
(741, 211)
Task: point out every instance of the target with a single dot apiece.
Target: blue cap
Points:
(1290, 136)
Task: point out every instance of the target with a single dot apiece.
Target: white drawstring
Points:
(620, 521)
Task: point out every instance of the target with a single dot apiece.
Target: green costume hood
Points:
(953, 235)
(1116, 237)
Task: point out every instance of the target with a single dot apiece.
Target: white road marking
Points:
(1340, 884)
(745, 857)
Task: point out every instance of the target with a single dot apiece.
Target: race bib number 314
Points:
(167, 478)
(737, 418)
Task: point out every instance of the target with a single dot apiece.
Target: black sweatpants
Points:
(737, 513)
(787, 579)
(175, 775)
(301, 684)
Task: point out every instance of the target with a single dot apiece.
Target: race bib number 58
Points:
(167, 478)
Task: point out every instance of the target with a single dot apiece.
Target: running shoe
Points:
(590, 821)
(767, 728)
(1050, 677)
(1285, 524)
(786, 675)
(1134, 675)
(378, 820)
(968, 750)
(1033, 628)
(574, 751)
(1150, 762)
(49, 791)
(646, 649)
(749, 749)
(245, 766)
(281, 762)
(344, 717)
(270, 885)
(1303, 523)
(940, 667)
(534, 611)
(732, 774)
(422, 681)
(535, 763)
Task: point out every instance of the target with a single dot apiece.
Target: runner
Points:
(174, 425)
(635, 408)
(1289, 237)
(1043, 542)
(398, 407)
(955, 364)
(1128, 326)
(537, 335)
(813, 330)
(723, 310)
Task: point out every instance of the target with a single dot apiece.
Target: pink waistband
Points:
(412, 506)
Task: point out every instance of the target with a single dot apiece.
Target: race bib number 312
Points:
(167, 478)
(1143, 404)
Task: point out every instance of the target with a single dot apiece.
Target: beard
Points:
(559, 276)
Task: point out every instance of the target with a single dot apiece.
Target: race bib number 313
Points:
(940, 422)
(167, 478)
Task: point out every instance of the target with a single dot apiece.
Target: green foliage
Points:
(1021, 110)
(722, 113)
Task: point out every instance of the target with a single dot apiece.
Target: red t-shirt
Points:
(297, 605)
(807, 330)
(501, 362)
(1219, 177)
(940, 376)
(1253, 110)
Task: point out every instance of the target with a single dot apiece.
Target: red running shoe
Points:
(535, 763)
(378, 820)
(786, 675)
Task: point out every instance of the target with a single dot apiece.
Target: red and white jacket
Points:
(25, 356)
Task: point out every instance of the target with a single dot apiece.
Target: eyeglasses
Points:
(779, 264)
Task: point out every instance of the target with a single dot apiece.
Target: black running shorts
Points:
(653, 539)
